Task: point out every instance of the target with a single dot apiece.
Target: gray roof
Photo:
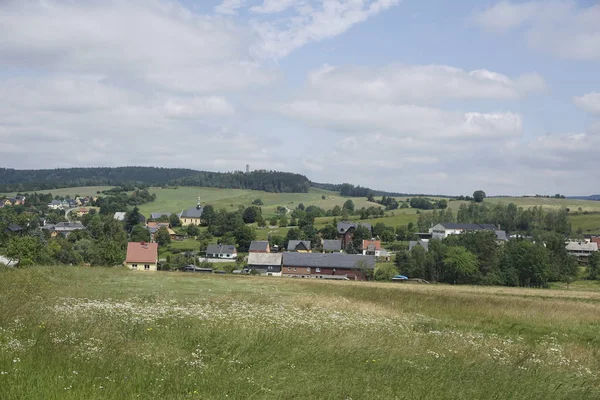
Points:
(68, 226)
(158, 215)
(332, 245)
(501, 235)
(258, 246)
(421, 243)
(326, 260)
(343, 226)
(293, 244)
(220, 249)
(119, 216)
(582, 246)
(56, 203)
(264, 259)
(469, 227)
(192, 212)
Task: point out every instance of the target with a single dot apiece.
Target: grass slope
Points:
(73, 333)
(82, 191)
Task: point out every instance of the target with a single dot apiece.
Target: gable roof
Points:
(582, 246)
(265, 259)
(469, 227)
(14, 228)
(326, 260)
(298, 244)
(344, 226)
(332, 245)
(221, 249)
(141, 252)
(192, 212)
(68, 226)
(158, 215)
(258, 245)
(55, 203)
(371, 244)
(421, 243)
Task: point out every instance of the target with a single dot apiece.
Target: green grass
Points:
(527, 202)
(100, 333)
(81, 191)
(589, 223)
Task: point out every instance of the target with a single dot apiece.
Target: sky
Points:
(414, 96)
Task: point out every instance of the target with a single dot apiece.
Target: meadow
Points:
(109, 333)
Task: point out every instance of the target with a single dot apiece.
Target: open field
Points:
(175, 200)
(72, 333)
(81, 191)
(589, 223)
(527, 202)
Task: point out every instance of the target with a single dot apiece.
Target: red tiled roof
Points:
(377, 244)
(142, 253)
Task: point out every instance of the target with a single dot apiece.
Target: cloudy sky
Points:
(414, 95)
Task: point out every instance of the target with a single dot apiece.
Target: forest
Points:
(12, 180)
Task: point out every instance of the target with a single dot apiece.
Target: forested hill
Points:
(346, 189)
(12, 180)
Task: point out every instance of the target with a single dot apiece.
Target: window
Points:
(147, 267)
(289, 269)
(133, 266)
(295, 269)
(308, 269)
(318, 269)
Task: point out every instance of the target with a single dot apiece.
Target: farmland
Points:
(74, 332)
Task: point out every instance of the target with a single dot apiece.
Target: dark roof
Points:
(469, 227)
(332, 245)
(421, 243)
(501, 235)
(298, 244)
(326, 260)
(68, 226)
(158, 215)
(14, 228)
(343, 226)
(220, 249)
(258, 246)
(192, 212)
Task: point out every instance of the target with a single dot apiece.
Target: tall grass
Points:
(110, 333)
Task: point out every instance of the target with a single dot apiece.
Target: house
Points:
(346, 230)
(142, 256)
(265, 263)
(18, 201)
(7, 202)
(153, 227)
(327, 265)
(332, 246)
(423, 243)
(120, 215)
(581, 249)
(83, 211)
(65, 228)
(171, 232)
(13, 229)
(55, 205)
(221, 251)
(155, 216)
(259, 247)
(371, 247)
(191, 216)
(300, 246)
(445, 229)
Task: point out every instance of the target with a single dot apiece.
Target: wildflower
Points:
(16, 360)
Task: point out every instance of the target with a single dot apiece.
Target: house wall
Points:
(296, 270)
(141, 267)
(189, 221)
(350, 273)
(227, 256)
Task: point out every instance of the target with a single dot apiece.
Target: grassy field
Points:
(175, 200)
(81, 191)
(589, 223)
(83, 333)
(527, 202)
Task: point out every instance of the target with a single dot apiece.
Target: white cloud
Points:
(198, 107)
(589, 102)
(276, 6)
(403, 120)
(562, 28)
(229, 7)
(398, 82)
(333, 18)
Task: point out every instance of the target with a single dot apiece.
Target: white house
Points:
(55, 204)
(445, 229)
(221, 251)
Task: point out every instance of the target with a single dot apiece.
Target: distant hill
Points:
(347, 189)
(13, 180)
(594, 197)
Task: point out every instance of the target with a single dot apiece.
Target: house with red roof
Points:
(142, 256)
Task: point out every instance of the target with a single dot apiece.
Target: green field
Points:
(527, 202)
(102, 333)
(589, 223)
(81, 191)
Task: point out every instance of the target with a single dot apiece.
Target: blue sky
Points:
(413, 96)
